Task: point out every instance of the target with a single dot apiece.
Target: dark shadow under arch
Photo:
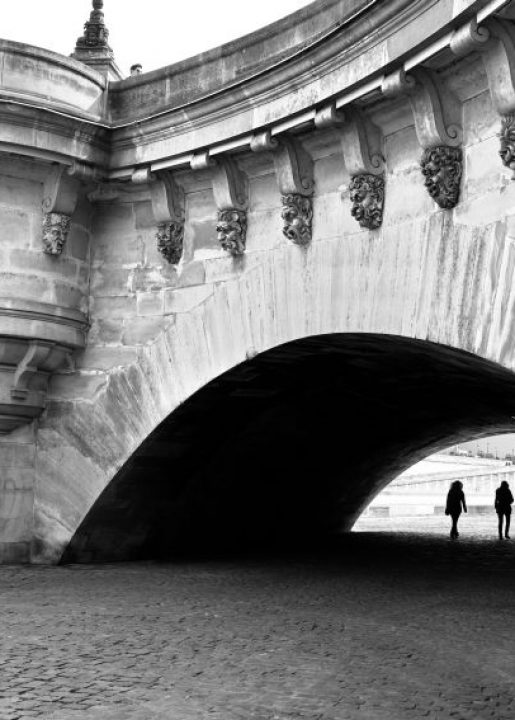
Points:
(291, 445)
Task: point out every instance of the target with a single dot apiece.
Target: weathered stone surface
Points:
(150, 303)
(78, 242)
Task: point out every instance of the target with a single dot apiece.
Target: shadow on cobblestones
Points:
(382, 626)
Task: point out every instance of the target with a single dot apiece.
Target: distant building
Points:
(422, 489)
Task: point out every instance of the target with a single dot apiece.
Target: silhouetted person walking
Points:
(455, 502)
(503, 501)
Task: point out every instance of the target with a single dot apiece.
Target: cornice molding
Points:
(60, 324)
(278, 97)
(239, 111)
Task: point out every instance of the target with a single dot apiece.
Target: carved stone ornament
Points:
(170, 241)
(436, 111)
(56, 227)
(507, 136)
(297, 214)
(96, 33)
(232, 230)
(495, 40)
(367, 197)
(442, 170)
(167, 200)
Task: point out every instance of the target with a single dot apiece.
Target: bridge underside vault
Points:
(291, 445)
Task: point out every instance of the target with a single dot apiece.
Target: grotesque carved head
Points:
(56, 227)
(442, 170)
(232, 230)
(507, 136)
(367, 197)
(297, 214)
(170, 240)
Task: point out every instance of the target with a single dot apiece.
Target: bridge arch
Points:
(427, 280)
(291, 444)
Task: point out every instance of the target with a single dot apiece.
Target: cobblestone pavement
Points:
(381, 627)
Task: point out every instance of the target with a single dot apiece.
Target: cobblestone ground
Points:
(380, 627)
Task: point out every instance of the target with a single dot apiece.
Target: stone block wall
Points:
(27, 272)
(17, 474)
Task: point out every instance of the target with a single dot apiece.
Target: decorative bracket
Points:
(361, 144)
(60, 196)
(231, 198)
(437, 116)
(436, 112)
(294, 172)
(29, 367)
(168, 208)
(229, 185)
(495, 40)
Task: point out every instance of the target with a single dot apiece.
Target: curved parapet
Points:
(51, 107)
(332, 51)
(35, 76)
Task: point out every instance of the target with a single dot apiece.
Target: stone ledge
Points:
(54, 323)
(36, 340)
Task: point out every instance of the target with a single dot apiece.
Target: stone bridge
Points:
(242, 293)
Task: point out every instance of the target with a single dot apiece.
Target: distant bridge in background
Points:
(422, 489)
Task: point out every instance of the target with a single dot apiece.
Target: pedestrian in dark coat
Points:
(503, 502)
(455, 502)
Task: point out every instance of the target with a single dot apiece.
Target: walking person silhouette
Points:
(455, 502)
(503, 501)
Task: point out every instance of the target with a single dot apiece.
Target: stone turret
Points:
(93, 48)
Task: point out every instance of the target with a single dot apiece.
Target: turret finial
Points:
(93, 49)
(95, 31)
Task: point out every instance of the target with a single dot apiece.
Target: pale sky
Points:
(152, 32)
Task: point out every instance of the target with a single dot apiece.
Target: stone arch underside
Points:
(292, 444)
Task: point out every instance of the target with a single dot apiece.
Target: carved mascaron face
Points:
(55, 232)
(367, 197)
(442, 170)
(231, 231)
(170, 238)
(297, 214)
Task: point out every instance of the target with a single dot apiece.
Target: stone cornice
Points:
(186, 82)
(352, 45)
(53, 323)
(287, 95)
(61, 138)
